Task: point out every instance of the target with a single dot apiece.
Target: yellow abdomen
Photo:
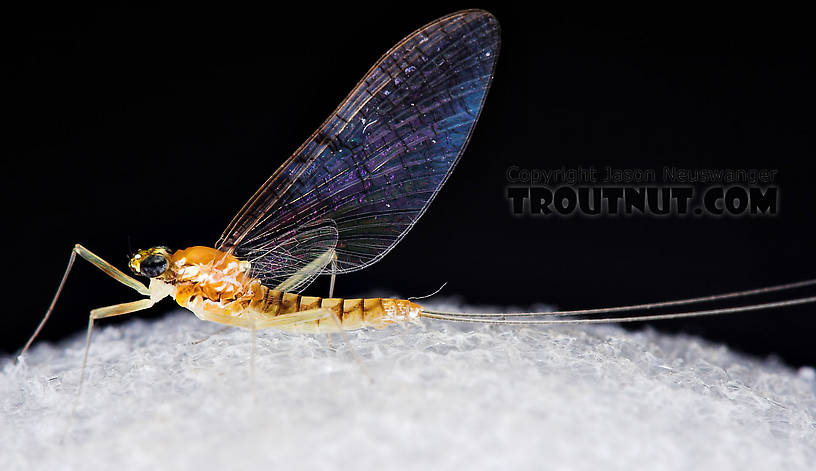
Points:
(216, 287)
(352, 313)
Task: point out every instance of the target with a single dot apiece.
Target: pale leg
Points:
(99, 313)
(252, 366)
(108, 311)
(222, 329)
(293, 318)
(106, 267)
(309, 316)
(333, 315)
(331, 291)
(348, 342)
(333, 274)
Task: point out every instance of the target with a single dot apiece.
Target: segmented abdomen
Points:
(352, 313)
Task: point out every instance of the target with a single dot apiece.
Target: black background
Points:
(157, 124)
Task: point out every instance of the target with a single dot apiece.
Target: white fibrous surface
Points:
(441, 396)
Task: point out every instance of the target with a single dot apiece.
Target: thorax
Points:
(209, 279)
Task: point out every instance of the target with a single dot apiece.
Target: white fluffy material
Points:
(449, 396)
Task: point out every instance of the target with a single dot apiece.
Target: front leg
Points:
(98, 262)
(110, 270)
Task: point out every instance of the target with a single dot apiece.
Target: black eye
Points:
(153, 266)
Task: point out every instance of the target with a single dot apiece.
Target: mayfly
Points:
(345, 198)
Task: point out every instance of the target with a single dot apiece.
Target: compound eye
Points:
(153, 266)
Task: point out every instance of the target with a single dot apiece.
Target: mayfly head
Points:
(152, 263)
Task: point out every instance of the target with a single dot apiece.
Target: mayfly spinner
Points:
(346, 197)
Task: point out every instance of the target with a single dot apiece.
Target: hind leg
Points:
(331, 292)
(222, 329)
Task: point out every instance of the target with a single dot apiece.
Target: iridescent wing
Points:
(377, 162)
(294, 263)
